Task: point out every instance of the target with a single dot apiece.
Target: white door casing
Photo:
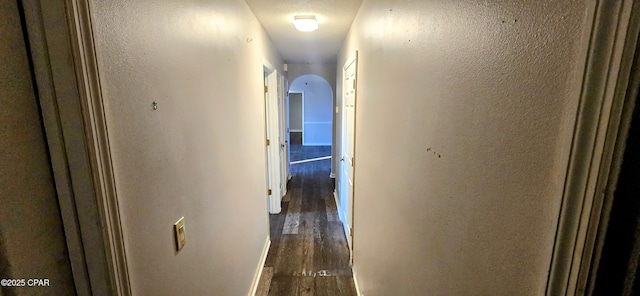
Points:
(272, 138)
(71, 103)
(598, 134)
(266, 137)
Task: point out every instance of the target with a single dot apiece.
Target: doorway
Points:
(311, 119)
(618, 272)
(617, 269)
(296, 117)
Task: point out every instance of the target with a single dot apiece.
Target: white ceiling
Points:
(321, 46)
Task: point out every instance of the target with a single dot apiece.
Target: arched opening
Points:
(310, 118)
(312, 114)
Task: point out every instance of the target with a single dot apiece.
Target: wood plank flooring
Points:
(308, 254)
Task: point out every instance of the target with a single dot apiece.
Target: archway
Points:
(312, 117)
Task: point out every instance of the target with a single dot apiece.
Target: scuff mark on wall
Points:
(434, 152)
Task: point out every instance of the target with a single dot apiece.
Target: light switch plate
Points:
(181, 235)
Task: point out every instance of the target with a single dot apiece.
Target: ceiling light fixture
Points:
(305, 23)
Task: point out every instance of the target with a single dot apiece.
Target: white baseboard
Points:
(355, 282)
(258, 274)
(335, 197)
(332, 175)
(340, 214)
(344, 224)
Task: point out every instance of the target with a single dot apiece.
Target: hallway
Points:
(476, 145)
(308, 253)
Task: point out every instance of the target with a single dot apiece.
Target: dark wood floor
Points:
(308, 254)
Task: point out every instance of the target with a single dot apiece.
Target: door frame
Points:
(599, 124)
(612, 243)
(76, 133)
(273, 138)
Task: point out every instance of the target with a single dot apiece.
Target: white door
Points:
(287, 116)
(347, 155)
(282, 139)
(267, 135)
(273, 137)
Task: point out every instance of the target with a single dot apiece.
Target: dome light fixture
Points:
(305, 23)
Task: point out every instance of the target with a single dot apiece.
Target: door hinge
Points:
(268, 142)
(269, 192)
(353, 162)
(350, 231)
(266, 88)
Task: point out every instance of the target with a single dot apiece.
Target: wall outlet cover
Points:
(180, 233)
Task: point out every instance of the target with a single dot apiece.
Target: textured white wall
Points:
(32, 243)
(476, 102)
(327, 71)
(201, 154)
(318, 105)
